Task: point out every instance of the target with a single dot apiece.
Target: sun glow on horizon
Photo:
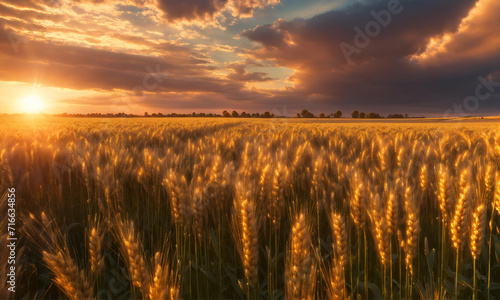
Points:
(32, 104)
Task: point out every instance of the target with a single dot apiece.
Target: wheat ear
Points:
(412, 229)
(163, 283)
(340, 238)
(336, 284)
(300, 268)
(132, 252)
(477, 231)
(444, 193)
(96, 257)
(67, 276)
(379, 230)
(358, 211)
(458, 225)
(245, 231)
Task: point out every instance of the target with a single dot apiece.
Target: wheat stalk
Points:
(177, 188)
(412, 229)
(96, 237)
(458, 225)
(424, 178)
(131, 249)
(379, 230)
(245, 231)
(278, 196)
(478, 228)
(358, 211)
(300, 268)
(336, 282)
(444, 193)
(392, 213)
(198, 212)
(489, 182)
(163, 283)
(67, 276)
(340, 237)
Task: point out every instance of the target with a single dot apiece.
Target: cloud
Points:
(34, 4)
(473, 39)
(206, 10)
(191, 9)
(427, 58)
(84, 56)
(240, 74)
(76, 67)
(383, 74)
(29, 13)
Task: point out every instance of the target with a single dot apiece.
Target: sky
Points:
(421, 57)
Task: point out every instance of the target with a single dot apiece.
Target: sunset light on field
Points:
(250, 149)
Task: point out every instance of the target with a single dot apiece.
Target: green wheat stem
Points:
(430, 277)
(474, 290)
(366, 263)
(489, 252)
(456, 277)
(358, 260)
(390, 266)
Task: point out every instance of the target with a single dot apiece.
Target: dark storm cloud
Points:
(381, 73)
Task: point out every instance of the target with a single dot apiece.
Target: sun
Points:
(32, 104)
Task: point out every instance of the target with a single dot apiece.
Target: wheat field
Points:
(251, 209)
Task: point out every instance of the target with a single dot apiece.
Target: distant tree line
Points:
(146, 114)
(361, 115)
(355, 115)
(306, 114)
(234, 114)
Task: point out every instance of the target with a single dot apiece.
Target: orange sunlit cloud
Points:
(473, 38)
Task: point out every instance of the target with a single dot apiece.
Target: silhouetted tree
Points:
(322, 115)
(146, 114)
(225, 114)
(306, 114)
(374, 116)
(234, 114)
(355, 114)
(298, 115)
(395, 116)
(362, 115)
(337, 114)
(266, 115)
